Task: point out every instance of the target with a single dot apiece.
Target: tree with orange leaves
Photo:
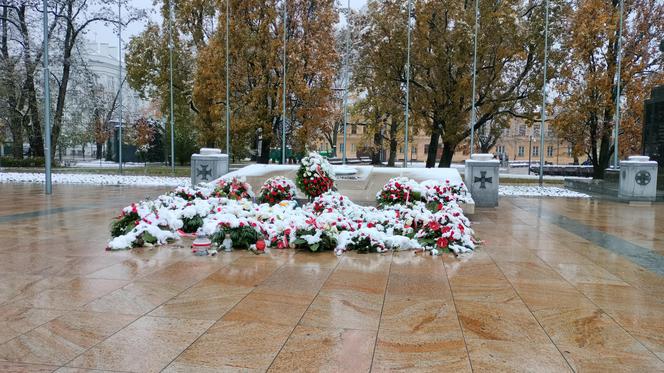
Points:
(587, 87)
(256, 71)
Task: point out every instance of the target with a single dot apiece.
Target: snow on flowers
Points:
(330, 222)
(277, 189)
(315, 175)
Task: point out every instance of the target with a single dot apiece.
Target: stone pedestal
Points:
(209, 165)
(638, 179)
(481, 178)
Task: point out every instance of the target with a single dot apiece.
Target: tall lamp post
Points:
(47, 103)
(546, 62)
(120, 85)
(345, 80)
(170, 82)
(405, 142)
(283, 94)
(228, 84)
(473, 114)
(618, 81)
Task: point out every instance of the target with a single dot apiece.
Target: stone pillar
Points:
(481, 178)
(638, 179)
(209, 165)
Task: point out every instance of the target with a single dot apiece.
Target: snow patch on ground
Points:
(105, 164)
(94, 179)
(537, 191)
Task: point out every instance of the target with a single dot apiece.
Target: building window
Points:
(341, 146)
(535, 151)
(501, 149)
(549, 151)
(353, 129)
(521, 151)
(549, 131)
(522, 130)
(352, 148)
(569, 151)
(536, 130)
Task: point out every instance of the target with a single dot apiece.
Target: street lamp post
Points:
(120, 85)
(47, 103)
(618, 81)
(405, 150)
(473, 114)
(345, 81)
(170, 82)
(283, 94)
(228, 86)
(546, 62)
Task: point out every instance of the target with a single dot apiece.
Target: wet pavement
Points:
(559, 285)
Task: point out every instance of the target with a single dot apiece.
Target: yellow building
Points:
(515, 143)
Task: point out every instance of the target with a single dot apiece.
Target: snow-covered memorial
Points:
(408, 215)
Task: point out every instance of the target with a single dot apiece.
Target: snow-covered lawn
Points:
(537, 191)
(94, 179)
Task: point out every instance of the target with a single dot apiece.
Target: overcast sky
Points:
(105, 34)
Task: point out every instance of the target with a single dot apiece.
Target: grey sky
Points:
(106, 34)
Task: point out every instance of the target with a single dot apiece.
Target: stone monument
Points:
(653, 126)
(481, 178)
(208, 165)
(638, 179)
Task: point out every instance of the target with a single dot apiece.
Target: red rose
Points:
(442, 242)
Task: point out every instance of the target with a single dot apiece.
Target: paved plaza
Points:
(558, 285)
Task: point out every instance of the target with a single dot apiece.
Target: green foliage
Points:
(326, 243)
(242, 237)
(145, 238)
(25, 162)
(191, 225)
(124, 223)
(364, 245)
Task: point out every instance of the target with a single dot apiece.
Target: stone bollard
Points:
(481, 178)
(209, 165)
(638, 179)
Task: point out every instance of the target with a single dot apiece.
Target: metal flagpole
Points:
(120, 84)
(228, 89)
(546, 62)
(283, 96)
(473, 114)
(47, 103)
(618, 81)
(346, 80)
(170, 82)
(405, 149)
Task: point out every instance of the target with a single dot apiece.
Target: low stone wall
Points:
(362, 189)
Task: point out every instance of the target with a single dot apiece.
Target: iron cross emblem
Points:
(483, 180)
(203, 172)
(642, 177)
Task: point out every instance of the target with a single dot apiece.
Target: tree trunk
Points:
(394, 128)
(99, 150)
(17, 143)
(605, 152)
(393, 153)
(448, 154)
(265, 151)
(378, 149)
(433, 146)
(69, 44)
(33, 128)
